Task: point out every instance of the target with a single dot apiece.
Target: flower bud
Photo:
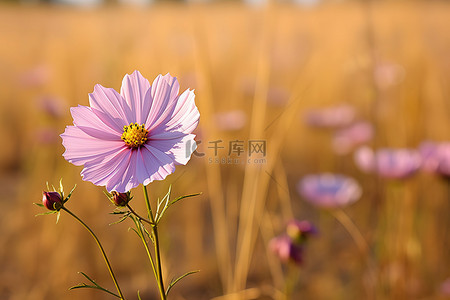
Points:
(286, 250)
(120, 199)
(299, 231)
(52, 200)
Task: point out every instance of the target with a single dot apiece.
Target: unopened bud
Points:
(52, 200)
(286, 250)
(120, 199)
(299, 231)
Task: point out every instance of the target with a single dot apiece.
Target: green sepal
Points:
(39, 204)
(70, 194)
(61, 188)
(174, 281)
(94, 286)
(47, 213)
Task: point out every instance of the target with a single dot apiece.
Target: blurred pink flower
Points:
(444, 289)
(134, 137)
(388, 163)
(436, 157)
(348, 138)
(46, 135)
(388, 74)
(230, 120)
(329, 190)
(286, 250)
(52, 106)
(331, 117)
(35, 77)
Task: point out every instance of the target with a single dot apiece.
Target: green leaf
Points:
(121, 219)
(139, 295)
(183, 197)
(39, 204)
(94, 286)
(174, 281)
(47, 213)
(164, 200)
(57, 217)
(119, 212)
(168, 204)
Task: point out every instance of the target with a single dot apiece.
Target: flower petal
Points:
(183, 116)
(157, 163)
(82, 147)
(179, 148)
(135, 91)
(107, 171)
(164, 93)
(85, 119)
(109, 106)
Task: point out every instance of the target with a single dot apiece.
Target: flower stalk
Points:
(111, 272)
(154, 226)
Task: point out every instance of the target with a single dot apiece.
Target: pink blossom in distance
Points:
(328, 190)
(331, 117)
(389, 163)
(134, 137)
(436, 157)
(347, 139)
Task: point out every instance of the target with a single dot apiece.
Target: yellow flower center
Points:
(134, 135)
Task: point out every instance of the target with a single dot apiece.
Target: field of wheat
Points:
(257, 73)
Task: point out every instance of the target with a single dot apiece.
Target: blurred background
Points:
(309, 81)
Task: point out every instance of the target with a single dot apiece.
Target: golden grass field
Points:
(273, 64)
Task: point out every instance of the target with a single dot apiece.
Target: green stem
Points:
(138, 216)
(101, 249)
(156, 243)
(139, 227)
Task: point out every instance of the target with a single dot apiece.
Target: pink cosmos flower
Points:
(134, 137)
(230, 120)
(388, 163)
(329, 190)
(348, 138)
(436, 157)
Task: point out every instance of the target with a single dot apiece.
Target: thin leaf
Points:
(164, 200)
(39, 204)
(47, 213)
(94, 286)
(183, 197)
(139, 295)
(108, 195)
(173, 282)
(57, 217)
(121, 219)
(119, 212)
(83, 285)
(173, 202)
